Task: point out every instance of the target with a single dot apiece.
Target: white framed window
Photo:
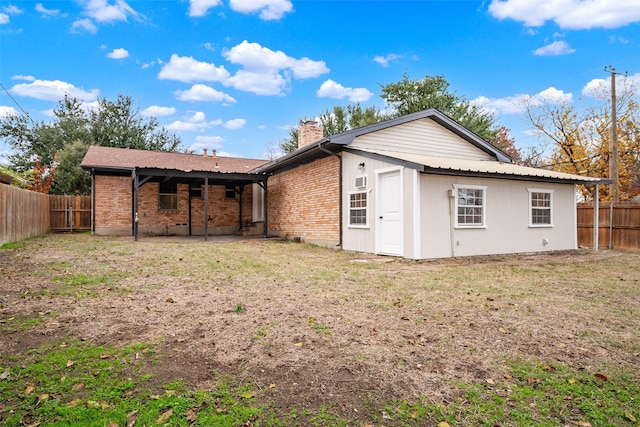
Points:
(540, 207)
(359, 209)
(470, 206)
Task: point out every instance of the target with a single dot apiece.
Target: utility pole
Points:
(613, 145)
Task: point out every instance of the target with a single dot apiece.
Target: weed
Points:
(13, 245)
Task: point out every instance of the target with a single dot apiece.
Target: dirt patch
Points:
(314, 327)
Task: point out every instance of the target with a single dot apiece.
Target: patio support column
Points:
(135, 205)
(240, 209)
(206, 208)
(265, 201)
(596, 216)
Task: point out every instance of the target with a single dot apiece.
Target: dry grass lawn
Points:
(317, 327)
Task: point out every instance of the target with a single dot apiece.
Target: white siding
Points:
(424, 137)
(507, 219)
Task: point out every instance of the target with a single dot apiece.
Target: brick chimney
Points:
(309, 132)
(204, 152)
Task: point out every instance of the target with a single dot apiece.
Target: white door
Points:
(389, 213)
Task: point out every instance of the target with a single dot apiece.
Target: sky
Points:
(236, 75)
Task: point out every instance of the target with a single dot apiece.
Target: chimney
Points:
(309, 132)
(214, 152)
(204, 152)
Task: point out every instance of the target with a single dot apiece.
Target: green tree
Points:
(410, 96)
(70, 178)
(112, 123)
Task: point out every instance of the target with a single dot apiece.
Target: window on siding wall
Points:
(195, 191)
(470, 206)
(358, 209)
(229, 191)
(540, 207)
(168, 196)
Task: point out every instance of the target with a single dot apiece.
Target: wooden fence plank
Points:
(24, 214)
(620, 225)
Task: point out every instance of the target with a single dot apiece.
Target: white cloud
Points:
(158, 111)
(235, 124)
(267, 72)
(47, 12)
(204, 93)
(601, 88)
(201, 7)
(570, 14)
(104, 12)
(558, 47)
(84, 24)
(518, 103)
(12, 10)
(118, 53)
(186, 69)
(53, 90)
(4, 18)
(384, 60)
(209, 140)
(331, 89)
(197, 122)
(22, 77)
(269, 9)
(7, 111)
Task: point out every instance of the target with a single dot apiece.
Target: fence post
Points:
(596, 215)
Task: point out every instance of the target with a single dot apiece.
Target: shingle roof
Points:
(127, 159)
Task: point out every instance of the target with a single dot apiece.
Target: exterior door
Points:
(389, 234)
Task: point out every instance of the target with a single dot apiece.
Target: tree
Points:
(405, 97)
(70, 178)
(580, 137)
(112, 124)
(410, 96)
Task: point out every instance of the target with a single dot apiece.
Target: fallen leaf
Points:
(572, 380)
(548, 368)
(502, 330)
(601, 376)
(29, 389)
(490, 381)
(248, 394)
(92, 404)
(298, 344)
(5, 375)
(78, 386)
(103, 405)
(75, 402)
(583, 423)
(131, 418)
(190, 415)
(113, 424)
(169, 300)
(629, 416)
(443, 424)
(154, 397)
(170, 392)
(414, 414)
(162, 419)
(70, 363)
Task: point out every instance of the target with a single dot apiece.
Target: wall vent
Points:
(361, 181)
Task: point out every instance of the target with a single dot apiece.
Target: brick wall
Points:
(304, 202)
(113, 209)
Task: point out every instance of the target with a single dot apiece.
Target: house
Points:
(419, 186)
(161, 193)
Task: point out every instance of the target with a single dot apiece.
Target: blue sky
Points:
(234, 75)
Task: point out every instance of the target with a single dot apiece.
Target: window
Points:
(470, 206)
(540, 203)
(195, 191)
(229, 191)
(358, 209)
(258, 203)
(168, 196)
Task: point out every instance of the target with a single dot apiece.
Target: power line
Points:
(16, 102)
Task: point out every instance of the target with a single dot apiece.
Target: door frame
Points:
(379, 173)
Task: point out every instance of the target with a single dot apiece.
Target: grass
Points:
(375, 317)
(77, 383)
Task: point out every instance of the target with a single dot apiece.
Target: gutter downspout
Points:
(321, 148)
(93, 200)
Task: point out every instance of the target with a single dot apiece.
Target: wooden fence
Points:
(23, 214)
(619, 225)
(70, 213)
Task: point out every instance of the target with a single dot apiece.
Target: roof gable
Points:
(423, 137)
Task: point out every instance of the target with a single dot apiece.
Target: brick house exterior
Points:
(419, 186)
(230, 192)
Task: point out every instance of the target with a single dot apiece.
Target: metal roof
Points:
(488, 168)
